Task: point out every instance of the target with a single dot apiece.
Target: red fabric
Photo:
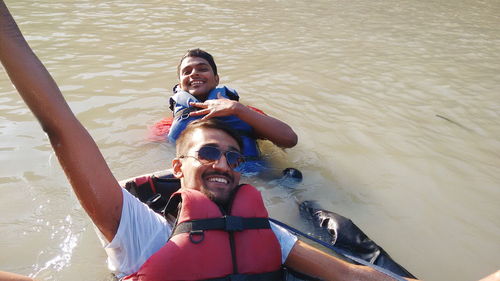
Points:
(152, 184)
(159, 131)
(256, 109)
(142, 180)
(257, 250)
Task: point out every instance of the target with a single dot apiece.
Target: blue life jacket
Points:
(179, 104)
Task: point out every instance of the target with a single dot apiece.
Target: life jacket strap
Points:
(268, 276)
(226, 223)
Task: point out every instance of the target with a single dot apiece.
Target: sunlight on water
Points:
(396, 105)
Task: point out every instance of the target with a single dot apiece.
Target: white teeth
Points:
(221, 180)
(196, 83)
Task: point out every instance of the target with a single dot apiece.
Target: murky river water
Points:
(396, 104)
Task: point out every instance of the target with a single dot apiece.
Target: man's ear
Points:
(176, 167)
(217, 79)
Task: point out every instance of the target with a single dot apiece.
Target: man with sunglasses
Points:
(208, 157)
(206, 162)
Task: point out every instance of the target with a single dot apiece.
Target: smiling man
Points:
(208, 157)
(197, 73)
(217, 181)
(221, 230)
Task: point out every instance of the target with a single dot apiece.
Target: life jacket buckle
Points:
(184, 115)
(194, 233)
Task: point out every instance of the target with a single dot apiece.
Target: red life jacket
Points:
(207, 245)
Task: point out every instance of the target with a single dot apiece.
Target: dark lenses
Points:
(234, 159)
(210, 154)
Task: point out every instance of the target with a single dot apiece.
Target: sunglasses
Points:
(210, 154)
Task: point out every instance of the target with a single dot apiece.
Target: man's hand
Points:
(265, 127)
(216, 108)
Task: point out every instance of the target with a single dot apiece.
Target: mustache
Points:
(215, 173)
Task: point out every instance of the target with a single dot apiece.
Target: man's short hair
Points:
(198, 53)
(183, 140)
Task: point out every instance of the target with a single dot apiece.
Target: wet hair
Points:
(198, 53)
(183, 140)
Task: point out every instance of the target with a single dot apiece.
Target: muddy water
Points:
(396, 105)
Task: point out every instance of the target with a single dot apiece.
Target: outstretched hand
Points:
(215, 108)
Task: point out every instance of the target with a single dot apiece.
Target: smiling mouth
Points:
(218, 179)
(197, 83)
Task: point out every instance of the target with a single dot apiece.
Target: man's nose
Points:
(221, 164)
(195, 72)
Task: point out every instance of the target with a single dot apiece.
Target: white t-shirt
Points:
(132, 245)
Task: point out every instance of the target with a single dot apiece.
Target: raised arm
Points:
(311, 261)
(81, 160)
(265, 126)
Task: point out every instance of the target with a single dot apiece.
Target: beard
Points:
(220, 196)
(222, 199)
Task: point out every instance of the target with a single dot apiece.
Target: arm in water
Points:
(265, 126)
(7, 276)
(94, 184)
(311, 261)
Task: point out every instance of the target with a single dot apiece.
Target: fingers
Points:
(207, 112)
(208, 116)
(200, 112)
(199, 104)
(213, 108)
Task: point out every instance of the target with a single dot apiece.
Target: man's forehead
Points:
(193, 61)
(213, 137)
